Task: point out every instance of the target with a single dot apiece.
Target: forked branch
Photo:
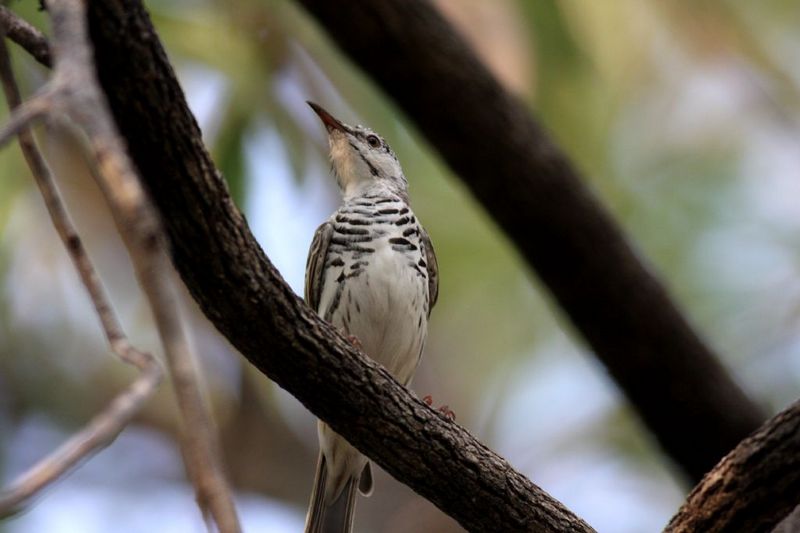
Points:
(74, 91)
(26, 113)
(104, 427)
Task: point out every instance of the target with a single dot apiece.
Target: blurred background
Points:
(684, 116)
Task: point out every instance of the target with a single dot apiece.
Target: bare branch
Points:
(754, 487)
(22, 115)
(105, 427)
(25, 35)
(97, 434)
(142, 233)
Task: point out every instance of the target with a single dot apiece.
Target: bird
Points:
(372, 273)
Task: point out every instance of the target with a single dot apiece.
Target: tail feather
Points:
(333, 517)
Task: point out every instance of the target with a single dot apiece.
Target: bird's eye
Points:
(374, 141)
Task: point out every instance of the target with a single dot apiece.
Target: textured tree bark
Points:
(753, 488)
(680, 390)
(243, 295)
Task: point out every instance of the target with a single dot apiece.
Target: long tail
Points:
(336, 516)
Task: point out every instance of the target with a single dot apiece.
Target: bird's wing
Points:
(433, 269)
(316, 263)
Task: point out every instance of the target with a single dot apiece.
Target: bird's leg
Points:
(445, 410)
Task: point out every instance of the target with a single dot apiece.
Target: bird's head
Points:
(362, 161)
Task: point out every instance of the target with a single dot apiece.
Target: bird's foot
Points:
(445, 410)
(355, 342)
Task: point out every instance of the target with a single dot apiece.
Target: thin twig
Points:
(25, 35)
(143, 235)
(104, 427)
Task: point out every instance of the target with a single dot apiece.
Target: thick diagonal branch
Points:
(680, 390)
(242, 293)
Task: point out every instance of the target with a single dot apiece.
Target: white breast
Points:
(384, 306)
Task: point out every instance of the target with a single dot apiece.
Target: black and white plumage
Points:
(372, 273)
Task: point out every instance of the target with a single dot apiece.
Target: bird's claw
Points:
(445, 410)
(355, 342)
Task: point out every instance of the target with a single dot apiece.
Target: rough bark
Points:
(753, 488)
(530, 188)
(243, 295)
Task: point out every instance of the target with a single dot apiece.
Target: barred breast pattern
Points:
(376, 281)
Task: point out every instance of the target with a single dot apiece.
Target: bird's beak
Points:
(331, 122)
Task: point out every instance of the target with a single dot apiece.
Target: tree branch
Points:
(243, 295)
(74, 91)
(25, 35)
(26, 113)
(104, 427)
(754, 487)
(143, 234)
(680, 390)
